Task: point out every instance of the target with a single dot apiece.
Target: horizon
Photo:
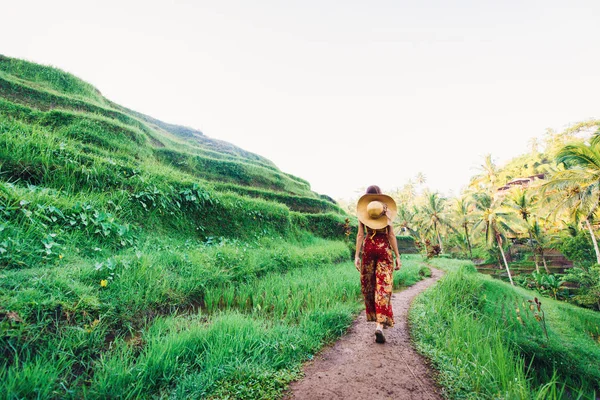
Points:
(327, 93)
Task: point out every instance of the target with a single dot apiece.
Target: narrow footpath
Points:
(356, 367)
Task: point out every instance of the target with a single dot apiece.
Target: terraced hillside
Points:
(142, 258)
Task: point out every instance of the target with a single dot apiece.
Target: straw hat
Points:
(376, 210)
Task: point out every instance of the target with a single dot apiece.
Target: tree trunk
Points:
(537, 266)
(589, 226)
(544, 261)
(440, 241)
(504, 258)
(468, 241)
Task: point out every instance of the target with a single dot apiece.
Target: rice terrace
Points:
(141, 259)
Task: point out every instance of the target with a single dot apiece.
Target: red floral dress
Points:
(376, 276)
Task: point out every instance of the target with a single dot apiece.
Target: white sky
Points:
(341, 93)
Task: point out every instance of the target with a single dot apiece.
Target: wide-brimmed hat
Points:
(376, 210)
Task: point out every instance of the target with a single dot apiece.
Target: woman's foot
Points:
(379, 338)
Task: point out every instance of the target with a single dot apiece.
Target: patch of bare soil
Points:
(356, 367)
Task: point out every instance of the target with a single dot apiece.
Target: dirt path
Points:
(356, 367)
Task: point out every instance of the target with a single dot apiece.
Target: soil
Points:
(356, 367)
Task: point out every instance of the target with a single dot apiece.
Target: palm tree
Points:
(495, 223)
(433, 211)
(488, 177)
(520, 202)
(461, 216)
(578, 186)
(406, 219)
(577, 202)
(409, 191)
(536, 231)
(405, 194)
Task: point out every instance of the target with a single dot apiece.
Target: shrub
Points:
(588, 280)
(578, 248)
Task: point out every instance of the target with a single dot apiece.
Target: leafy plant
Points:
(578, 248)
(588, 281)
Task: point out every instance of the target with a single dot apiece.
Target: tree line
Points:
(548, 198)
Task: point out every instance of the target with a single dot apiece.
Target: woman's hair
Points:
(373, 189)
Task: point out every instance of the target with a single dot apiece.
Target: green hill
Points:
(130, 246)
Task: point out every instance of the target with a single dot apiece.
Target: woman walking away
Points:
(376, 241)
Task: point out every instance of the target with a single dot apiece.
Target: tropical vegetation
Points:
(140, 258)
(144, 259)
(489, 340)
(516, 220)
(532, 223)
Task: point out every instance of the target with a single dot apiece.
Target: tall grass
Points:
(488, 341)
(49, 78)
(258, 327)
(244, 339)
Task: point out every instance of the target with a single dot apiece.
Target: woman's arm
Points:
(360, 236)
(394, 244)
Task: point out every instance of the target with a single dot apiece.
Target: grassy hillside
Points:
(143, 258)
(490, 340)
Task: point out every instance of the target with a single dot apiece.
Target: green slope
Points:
(114, 224)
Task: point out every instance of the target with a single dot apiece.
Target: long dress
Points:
(376, 276)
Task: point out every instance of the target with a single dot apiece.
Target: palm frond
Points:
(579, 155)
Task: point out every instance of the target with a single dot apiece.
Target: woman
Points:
(376, 241)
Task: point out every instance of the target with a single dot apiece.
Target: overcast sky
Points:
(341, 93)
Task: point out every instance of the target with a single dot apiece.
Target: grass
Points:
(50, 78)
(79, 133)
(229, 319)
(144, 259)
(138, 258)
(487, 340)
(126, 241)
